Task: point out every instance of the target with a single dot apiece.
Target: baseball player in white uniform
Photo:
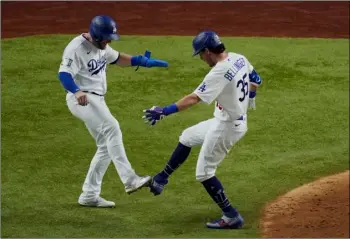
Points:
(232, 84)
(83, 75)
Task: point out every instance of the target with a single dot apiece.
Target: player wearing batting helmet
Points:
(231, 83)
(83, 75)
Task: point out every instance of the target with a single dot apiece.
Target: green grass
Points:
(298, 133)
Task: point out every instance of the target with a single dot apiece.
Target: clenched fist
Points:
(81, 98)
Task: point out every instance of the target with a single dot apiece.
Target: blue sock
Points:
(216, 191)
(179, 156)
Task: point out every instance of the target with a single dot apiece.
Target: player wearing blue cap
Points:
(232, 83)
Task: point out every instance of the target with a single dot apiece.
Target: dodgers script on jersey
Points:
(87, 64)
(228, 84)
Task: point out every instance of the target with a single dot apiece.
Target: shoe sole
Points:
(91, 205)
(145, 184)
(227, 228)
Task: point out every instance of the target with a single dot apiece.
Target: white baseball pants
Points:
(105, 129)
(217, 138)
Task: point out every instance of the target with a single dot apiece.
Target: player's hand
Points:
(147, 61)
(81, 98)
(251, 104)
(156, 63)
(153, 115)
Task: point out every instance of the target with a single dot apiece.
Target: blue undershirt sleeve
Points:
(68, 82)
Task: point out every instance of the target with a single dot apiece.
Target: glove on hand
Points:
(153, 115)
(146, 61)
(251, 104)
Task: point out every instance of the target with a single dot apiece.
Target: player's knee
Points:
(113, 134)
(202, 177)
(204, 171)
(185, 138)
(112, 128)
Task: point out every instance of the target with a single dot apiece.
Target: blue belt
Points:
(241, 118)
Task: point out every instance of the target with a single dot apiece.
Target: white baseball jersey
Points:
(228, 84)
(87, 64)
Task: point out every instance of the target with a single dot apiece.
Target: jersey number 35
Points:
(244, 87)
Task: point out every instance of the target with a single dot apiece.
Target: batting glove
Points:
(153, 115)
(146, 61)
(251, 104)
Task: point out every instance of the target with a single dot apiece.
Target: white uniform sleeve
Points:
(212, 85)
(70, 62)
(250, 66)
(111, 55)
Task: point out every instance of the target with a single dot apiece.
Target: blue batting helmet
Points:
(103, 28)
(205, 39)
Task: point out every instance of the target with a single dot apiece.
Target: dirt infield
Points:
(319, 209)
(322, 210)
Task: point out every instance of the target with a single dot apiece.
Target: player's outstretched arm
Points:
(140, 60)
(187, 101)
(124, 59)
(156, 113)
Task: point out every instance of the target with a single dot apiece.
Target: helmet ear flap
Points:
(97, 39)
(93, 34)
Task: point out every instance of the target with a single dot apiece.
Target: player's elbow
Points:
(194, 99)
(62, 75)
(68, 82)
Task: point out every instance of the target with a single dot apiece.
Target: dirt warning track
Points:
(281, 19)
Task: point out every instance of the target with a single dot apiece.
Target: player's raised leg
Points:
(217, 143)
(116, 151)
(111, 131)
(106, 131)
(189, 138)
